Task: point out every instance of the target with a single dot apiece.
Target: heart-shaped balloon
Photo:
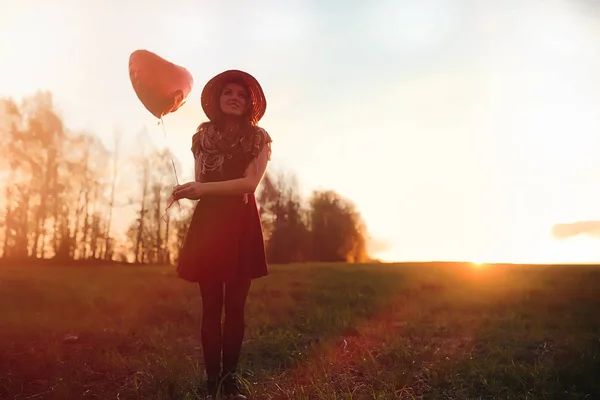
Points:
(161, 86)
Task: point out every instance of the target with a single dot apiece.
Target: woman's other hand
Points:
(190, 190)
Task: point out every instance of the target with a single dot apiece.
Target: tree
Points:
(106, 252)
(150, 233)
(337, 229)
(284, 224)
(63, 192)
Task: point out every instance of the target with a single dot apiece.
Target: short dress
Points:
(224, 241)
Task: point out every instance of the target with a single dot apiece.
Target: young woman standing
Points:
(224, 248)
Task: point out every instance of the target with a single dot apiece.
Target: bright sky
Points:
(462, 130)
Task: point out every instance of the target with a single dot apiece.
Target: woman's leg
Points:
(236, 294)
(212, 308)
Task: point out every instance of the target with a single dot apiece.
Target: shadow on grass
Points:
(327, 302)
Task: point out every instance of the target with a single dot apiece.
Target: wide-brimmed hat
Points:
(212, 91)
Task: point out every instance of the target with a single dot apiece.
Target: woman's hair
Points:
(246, 120)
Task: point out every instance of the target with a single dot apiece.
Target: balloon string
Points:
(165, 216)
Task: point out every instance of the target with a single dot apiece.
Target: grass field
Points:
(413, 331)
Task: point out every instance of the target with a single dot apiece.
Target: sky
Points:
(461, 129)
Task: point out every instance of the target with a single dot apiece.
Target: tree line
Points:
(63, 191)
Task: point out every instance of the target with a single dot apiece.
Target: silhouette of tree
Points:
(89, 169)
(61, 192)
(150, 233)
(329, 228)
(179, 225)
(107, 251)
(287, 239)
(337, 229)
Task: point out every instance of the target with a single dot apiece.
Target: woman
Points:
(224, 249)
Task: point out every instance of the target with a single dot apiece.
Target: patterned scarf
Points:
(210, 146)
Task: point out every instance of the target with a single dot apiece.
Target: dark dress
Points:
(224, 241)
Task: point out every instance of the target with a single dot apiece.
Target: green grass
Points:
(431, 331)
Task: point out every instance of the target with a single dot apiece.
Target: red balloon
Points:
(161, 86)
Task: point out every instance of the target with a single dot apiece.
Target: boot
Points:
(212, 388)
(232, 387)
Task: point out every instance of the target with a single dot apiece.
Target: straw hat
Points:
(212, 91)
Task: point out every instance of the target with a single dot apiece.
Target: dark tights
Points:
(229, 338)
